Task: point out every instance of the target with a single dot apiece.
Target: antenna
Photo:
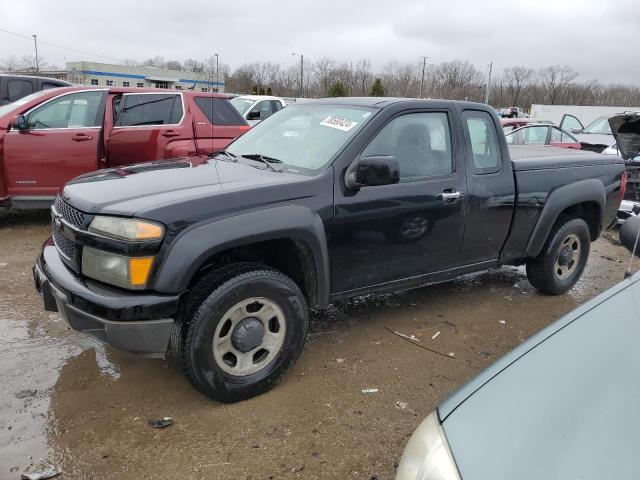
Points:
(627, 274)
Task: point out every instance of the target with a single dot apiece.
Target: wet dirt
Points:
(85, 407)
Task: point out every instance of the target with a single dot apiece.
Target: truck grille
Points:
(72, 215)
(64, 245)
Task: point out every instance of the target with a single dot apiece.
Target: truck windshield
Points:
(23, 101)
(241, 104)
(304, 137)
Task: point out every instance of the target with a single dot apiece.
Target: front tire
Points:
(242, 333)
(561, 262)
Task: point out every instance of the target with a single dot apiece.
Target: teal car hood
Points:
(562, 405)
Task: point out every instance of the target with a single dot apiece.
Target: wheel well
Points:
(590, 213)
(292, 257)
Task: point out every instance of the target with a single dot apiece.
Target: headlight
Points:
(427, 455)
(127, 228)
(118, 270)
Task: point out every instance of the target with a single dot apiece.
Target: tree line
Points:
(518, 86)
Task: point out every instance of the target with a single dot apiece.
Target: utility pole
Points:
(217, 78)
(301, 73)
(486, 94)
(35, 43)
(424, 66)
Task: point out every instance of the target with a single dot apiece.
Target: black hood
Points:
(173, 190)
(626, 130)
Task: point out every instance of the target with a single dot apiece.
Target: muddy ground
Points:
(84, 407)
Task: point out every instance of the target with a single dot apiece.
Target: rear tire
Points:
(240, 331)
(561, 262)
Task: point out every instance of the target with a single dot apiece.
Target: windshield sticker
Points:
(338, 122)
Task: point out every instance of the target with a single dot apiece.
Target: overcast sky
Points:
(598, 38)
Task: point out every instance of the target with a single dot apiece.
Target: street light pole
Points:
(35, 43)
(217, 78)
(424, 66)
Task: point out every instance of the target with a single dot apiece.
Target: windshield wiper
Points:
(229, 155)
(269, 161)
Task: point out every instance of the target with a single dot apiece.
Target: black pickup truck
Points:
(217, 260)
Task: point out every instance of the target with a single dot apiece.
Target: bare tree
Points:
(191, 65)
(157, 61)
(324, 73)
(400, 78)
(516, 80)
(458, 80)
(363, 76)
(554, 79)
(173, 65)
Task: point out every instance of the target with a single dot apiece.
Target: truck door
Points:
(60, 142)
(490, 186)
(144, 126)
(415, 227)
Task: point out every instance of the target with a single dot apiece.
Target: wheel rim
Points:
(249, 336)
(414, 227)
(568, 257)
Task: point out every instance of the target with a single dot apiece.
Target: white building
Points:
(104, 74)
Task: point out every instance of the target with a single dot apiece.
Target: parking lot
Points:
(84, 407)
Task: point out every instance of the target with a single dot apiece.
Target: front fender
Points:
(591, 190)
(194, 246)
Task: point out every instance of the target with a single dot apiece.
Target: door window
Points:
(566, 138)
(148, 109)
(570, 123)
(261, 111)
(76, 110)
(420, 143)
(535, 135)
(484, 141)
(17, 89)
(556, 135)
(219, 111)
(275, 106)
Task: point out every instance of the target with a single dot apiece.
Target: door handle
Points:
(170, 133)
(81, 137)
(450, 196)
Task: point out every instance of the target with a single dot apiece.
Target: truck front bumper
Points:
(135, 322)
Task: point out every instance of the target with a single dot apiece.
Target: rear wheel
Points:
(562, 260)
(242, 334)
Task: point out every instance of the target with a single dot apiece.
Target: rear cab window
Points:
(219, 111)
(482, 137)
(18, 88)
(147, 109)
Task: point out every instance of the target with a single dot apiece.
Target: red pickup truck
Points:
(52, 136)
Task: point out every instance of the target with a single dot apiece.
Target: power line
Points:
(26, 37)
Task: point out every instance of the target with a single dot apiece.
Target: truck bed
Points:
(540, 157)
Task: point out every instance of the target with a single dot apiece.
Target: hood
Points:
(626, 130)
(175, 190)
(595, 139)
(560, 402)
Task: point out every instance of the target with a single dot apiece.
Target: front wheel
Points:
(561, 262)
(243, 334)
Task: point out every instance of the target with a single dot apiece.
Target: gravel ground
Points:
(84, 407)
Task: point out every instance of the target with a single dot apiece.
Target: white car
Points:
(255, 108)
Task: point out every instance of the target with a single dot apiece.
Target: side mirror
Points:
(19, 123)
(576, 130)
(372, 172)
(253, 115)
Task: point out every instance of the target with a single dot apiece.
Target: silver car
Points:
(562, 405)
